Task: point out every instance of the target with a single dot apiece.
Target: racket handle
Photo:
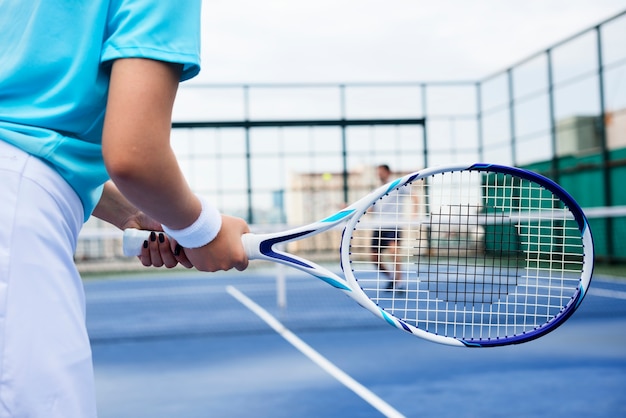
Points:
(251, 244)
(133, 241)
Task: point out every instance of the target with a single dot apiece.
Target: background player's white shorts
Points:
(45, 358)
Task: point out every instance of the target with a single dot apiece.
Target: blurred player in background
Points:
(385, 237)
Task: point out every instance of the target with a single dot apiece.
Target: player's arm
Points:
(115, 209)
(139, 159)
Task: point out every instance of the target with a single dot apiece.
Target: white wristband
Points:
(202, 231)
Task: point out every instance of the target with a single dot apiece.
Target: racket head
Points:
(486, 255)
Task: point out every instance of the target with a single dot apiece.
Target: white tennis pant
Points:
(45, 359)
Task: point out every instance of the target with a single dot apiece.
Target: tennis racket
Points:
(477, 256)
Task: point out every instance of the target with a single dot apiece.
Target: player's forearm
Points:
(159, 190)
(117, 210)
(113, 207)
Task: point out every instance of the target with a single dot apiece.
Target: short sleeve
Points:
(164, 30)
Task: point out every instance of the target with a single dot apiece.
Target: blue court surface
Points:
(182, 344)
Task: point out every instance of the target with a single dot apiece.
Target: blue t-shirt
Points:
(55, 58)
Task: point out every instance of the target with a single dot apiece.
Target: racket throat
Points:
(266, 248)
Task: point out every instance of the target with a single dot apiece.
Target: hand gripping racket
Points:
(477, 256)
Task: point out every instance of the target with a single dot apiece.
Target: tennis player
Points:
(386, 236)
(86, 95)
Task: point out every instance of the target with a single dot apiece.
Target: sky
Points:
(277, 41)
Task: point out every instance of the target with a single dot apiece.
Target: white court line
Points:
(316, 357)
(615, 294)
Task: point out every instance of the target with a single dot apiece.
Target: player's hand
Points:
(158, 250)
(225, 251)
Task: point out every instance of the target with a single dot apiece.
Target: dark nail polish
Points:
(145, 244)
(177, 250)
(161, 238)
(152, 236)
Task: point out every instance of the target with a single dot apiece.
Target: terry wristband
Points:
(202, 231)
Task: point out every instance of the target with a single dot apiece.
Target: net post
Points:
(281, 286)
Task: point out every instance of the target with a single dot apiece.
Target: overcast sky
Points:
(251, 41)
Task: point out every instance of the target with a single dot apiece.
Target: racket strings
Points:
(471, 255)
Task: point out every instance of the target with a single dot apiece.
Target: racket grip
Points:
(251, 244)
(133, 241)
